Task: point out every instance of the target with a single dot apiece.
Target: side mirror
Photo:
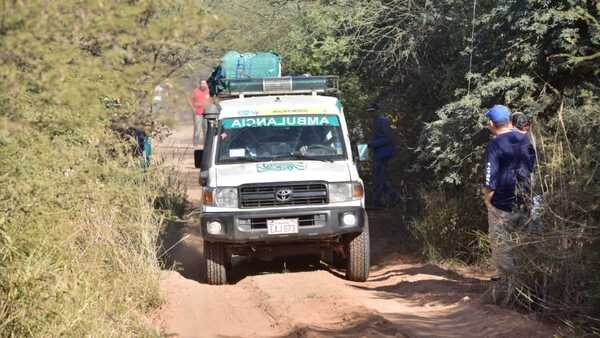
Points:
(211, 112)
(198, 158)
(362, 153)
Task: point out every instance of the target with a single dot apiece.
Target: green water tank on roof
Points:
(235, 65)
(264, 65)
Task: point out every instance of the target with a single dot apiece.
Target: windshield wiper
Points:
(243, 159)
(297, 156)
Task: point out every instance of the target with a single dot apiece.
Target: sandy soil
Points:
(403, 297)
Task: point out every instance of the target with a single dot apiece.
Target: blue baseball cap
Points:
(498, 113)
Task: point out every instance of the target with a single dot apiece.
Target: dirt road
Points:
(403, 297)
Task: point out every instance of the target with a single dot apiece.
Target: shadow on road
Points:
(428, 269)
(244, 267)
(362, 325)
(181, 249)
(434, 285)
(465, 322)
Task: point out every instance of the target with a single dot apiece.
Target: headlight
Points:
(349, 219)
(345, 192)
(214, 228)
(220, 197)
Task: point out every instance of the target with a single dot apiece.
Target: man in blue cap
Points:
(505, 158)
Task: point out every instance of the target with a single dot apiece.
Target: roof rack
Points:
(278, 85)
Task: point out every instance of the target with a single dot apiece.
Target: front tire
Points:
(358, 257)
(217, 261)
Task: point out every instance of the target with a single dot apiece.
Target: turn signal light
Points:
(357, 190)
(208, 197)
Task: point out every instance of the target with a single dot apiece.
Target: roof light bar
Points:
(279, 85)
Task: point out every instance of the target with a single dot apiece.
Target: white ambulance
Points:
(279, 177)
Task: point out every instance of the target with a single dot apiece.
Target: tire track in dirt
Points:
(261, 298)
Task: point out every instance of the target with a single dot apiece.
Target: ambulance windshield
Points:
(286, 137)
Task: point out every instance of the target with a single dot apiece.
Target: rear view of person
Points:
(199, 99)
(506, 164)
(384, 149)
(522, 124)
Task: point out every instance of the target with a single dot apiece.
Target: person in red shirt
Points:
(199, 99)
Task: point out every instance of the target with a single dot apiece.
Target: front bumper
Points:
(243, 227)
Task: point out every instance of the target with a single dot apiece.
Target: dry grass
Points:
(78, 237)
(448, 229)
(558, 270)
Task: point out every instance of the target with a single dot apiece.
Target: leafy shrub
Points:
(540, 58)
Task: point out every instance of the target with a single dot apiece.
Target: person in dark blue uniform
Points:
(521, 123)
(508, 166)
(384, 149)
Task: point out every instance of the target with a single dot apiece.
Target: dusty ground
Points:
(403, 297)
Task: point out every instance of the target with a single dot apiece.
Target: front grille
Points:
(259, 196)
(303, 221)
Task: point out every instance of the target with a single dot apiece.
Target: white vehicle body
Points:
(235, 175)
(279, 176)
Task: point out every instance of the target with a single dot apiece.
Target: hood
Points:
(513, 137)
(517, 137)
(287, 171)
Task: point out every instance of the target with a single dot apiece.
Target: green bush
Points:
(540, 58)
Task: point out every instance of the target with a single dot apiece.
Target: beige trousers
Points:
(502, 227)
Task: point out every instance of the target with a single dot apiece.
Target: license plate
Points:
(282, 226)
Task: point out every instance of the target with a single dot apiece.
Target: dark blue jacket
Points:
(382, 141)
(508, 165)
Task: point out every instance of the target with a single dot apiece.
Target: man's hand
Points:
(190, 101)
(487, 196)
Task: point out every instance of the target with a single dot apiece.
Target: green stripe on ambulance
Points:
(281, 121)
